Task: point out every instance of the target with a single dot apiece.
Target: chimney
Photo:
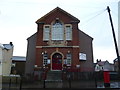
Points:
(11, 43)
(97, 60)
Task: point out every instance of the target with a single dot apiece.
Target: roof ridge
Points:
(57, 8)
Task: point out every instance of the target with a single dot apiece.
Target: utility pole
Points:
(114, 37)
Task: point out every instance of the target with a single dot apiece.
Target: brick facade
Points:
(75, 46)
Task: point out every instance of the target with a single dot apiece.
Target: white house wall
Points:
(7, 61)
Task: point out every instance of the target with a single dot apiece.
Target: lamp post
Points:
(114, 37)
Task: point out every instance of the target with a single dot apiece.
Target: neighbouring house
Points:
(59, 43)
(104, 66)
(116, 67)
(6, 52)
(18, 65)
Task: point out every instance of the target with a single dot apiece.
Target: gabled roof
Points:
(85, 34)
(34, 35)
(101, 63)
(58, 9)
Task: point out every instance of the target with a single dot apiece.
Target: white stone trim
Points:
(57, 46)
(38, 46)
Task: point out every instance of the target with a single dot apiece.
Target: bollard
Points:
(16, 81)
(69, 80)
(10, 84)
(44, 83)
(21, 84)
(44, 78)
(69, 83)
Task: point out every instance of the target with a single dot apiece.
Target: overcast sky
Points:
(17, 22)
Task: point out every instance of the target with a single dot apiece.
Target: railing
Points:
(70, 79)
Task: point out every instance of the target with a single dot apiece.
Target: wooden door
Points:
(57, 61)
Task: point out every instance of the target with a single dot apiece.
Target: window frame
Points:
(45, 59)
(66, 32)
(60, 35)
(44, 33)
(49, 36)
(68, 59)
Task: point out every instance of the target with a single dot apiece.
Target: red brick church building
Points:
(59, 42)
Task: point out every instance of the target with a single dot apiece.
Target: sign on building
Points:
(82, 56)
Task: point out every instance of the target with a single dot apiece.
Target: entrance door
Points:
(57, 61)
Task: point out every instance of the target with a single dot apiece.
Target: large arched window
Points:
(57, 30)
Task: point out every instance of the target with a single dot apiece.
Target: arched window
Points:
(57, 31)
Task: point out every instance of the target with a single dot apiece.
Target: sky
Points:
(17, 22)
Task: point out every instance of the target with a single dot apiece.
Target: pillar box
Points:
(106, 79)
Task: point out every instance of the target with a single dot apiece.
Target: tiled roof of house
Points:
(101, 63)
(18, 58)
(7, 46)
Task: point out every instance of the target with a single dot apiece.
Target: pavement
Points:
(112, 84)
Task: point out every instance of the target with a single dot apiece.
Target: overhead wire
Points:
(99, 13)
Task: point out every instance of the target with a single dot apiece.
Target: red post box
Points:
(106, 79)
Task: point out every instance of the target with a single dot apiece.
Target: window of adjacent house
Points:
(68, 31)
(97, 67)
(57, 31)
(46, 33)
(68, 58)
(102, 68)
(45, 59)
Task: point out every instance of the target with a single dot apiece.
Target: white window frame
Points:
(56, 33)
(45, 59)
(68, 34)
(46, 34)
(68, 59)
(52, 34)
